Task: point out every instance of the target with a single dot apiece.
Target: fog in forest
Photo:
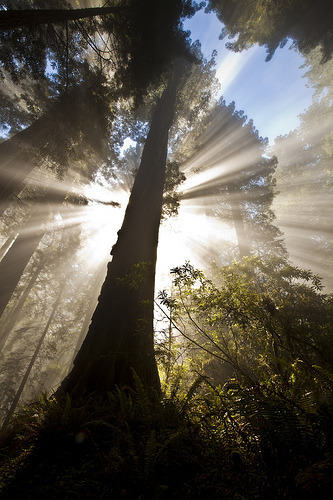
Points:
(247, 149)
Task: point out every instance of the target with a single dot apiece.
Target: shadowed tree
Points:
(16, 259)
(119, 342)
(33, 303)
(6, 245)
(19, 254)
(76, 126)
(6, 330)
(144, 38)
(120, 337)
(150, 37)
(33, 359)
(22, 18)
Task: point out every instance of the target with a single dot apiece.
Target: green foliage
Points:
(39, 64)
(258, 321)
(126, 442)
(272, 23)
(228, 441)
(259, 335)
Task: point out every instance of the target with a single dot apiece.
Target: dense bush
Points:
(261, 428)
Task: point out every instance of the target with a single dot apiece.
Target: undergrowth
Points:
(225, 442)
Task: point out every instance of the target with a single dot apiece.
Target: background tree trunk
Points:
(33, 359)
(17, 257)
(15, 314)
(5, 247)
(19, 155)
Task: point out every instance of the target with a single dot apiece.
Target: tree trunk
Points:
(14, 315)
(6, 246)
(120, 338)
(16, 259)
(18, 156)
(32, 361)
(94, 294)
(22, 18)
(243, 243)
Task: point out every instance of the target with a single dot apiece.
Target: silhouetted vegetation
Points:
(246, 411)
(272, 23)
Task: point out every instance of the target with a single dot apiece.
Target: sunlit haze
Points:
(166, 249)
(65, 192)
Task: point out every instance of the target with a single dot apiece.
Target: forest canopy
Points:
(308, 24)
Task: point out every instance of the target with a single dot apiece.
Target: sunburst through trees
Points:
(120, 160)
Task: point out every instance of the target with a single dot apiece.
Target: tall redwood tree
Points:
(119, 342)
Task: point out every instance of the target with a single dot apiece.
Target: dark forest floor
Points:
(129, 447)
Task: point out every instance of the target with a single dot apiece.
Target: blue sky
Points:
(272, 93)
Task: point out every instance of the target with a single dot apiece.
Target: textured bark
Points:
(120, 338)
(94, 294)
(21, 18)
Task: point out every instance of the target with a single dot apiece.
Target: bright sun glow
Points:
(103, 220)
(188, 237)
